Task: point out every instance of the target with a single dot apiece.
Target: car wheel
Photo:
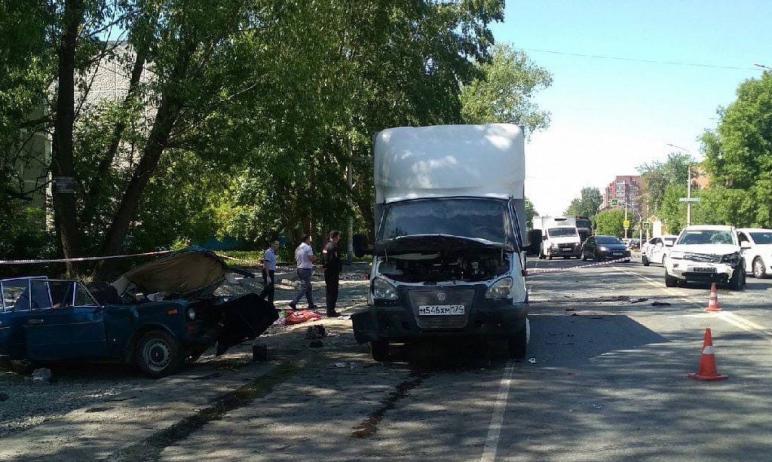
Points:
(670, 281)
(759, 270)
(158, 354)
(517, 346)
(738, 278)
(379, 349)
(645, 260)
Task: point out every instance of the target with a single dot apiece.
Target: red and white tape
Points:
(77, 259)
(572, 268)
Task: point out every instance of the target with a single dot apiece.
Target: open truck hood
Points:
(432, 243)
(187, 273)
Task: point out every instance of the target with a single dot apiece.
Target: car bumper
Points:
(565, 251)
(399, 323)
(700, 272)
(614, 253)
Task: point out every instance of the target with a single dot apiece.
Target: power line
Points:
(640, 60)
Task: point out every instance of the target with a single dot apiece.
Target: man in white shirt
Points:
(304, 256)
(269, 270)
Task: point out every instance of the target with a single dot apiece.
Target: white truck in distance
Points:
(448, 259)
(559, 235)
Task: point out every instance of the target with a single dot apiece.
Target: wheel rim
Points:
(758, 268)
(156, 355)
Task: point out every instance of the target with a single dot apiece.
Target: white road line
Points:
(726, 316)
(497, 419)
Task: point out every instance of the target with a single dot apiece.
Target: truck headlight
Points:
(676, 255)
(192, 314)
(732, 258)
(384, 290)
(500, 289)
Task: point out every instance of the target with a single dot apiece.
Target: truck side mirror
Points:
(360, 245)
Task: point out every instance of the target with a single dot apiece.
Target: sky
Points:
(609, 116)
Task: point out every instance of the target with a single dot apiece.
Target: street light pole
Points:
(689, 196)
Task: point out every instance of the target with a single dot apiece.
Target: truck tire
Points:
(645, 260)
(738, 278)
(158, 354)
(759, 270)
(379, 349)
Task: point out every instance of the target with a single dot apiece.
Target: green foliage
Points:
(23, 233)
(673, 212)
(530, 212)
(657, 177)
(587, 204)
(506, 90)
(738, 156)
(611, 222)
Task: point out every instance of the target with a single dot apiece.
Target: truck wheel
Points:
(158, 354)
(738, 278)
(759, 270)
(645, 260)
(517, 345)
(379, 349)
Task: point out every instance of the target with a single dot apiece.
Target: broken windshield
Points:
(473, 218)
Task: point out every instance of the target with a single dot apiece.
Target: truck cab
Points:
(448, 257)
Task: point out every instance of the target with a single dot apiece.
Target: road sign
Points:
(626, 224)
(689, 199)
(614, 202)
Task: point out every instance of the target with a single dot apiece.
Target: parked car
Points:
(656, 248)
(155, 316)
(706, 253)
(602, 247)
(756, 244)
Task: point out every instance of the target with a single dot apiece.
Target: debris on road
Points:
(301, 316)
(638, 300)
(316, 344)
(532, 360)
(4, 396)
(42, 375)
(259, 352)
(315, 332)
(660, 304)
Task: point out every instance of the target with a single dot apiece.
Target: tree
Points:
(505, 91)
(530, 212)
(738, 154)
(658, 176)
(587, 204)
(611, 222)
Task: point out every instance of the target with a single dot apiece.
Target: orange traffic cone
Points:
(713, 305)
(708, 369)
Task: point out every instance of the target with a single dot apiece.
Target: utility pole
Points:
(689, 196)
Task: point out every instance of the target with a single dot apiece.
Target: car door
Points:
(658, 251)
(15, 306)
(71, 328)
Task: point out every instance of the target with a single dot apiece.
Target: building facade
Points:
(624, 191)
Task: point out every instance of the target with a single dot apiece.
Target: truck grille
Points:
(441, 296)
(701, 257)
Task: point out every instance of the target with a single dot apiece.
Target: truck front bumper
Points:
(398, 322)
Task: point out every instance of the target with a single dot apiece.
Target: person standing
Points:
(269, 271)
(304, 256)
(332, 268)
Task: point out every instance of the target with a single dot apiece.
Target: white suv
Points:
(706, 253)
(657, 249)
(757, 251)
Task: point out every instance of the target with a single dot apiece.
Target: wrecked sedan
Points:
(155, 316)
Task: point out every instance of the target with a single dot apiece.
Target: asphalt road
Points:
(606, 379)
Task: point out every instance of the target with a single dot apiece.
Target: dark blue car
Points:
(156, 316)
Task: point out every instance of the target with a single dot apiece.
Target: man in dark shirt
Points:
(332, 268)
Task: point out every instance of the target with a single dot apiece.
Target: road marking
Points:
(497, 419)
(726, 316)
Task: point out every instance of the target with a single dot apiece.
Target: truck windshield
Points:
(561, 232)
(476, 218)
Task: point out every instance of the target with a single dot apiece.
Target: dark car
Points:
(155, 316)
(602, 247)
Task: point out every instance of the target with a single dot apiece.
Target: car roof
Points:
(708, 227)
(755, 230)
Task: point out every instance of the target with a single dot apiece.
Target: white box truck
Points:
(559, 235)
(448, 259)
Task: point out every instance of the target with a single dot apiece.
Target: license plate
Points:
(618, 254)
(441, 310)
(704, 270)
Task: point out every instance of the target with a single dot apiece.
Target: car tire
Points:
(670, 281)
(738, 278)
(645, 260)
(517, 346)
(158, 354)
(758, 268)
(379, 350)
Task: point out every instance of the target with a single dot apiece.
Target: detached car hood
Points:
(432, 243)
(188, 273)
(707, 249)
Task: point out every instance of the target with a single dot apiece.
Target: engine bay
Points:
(463, 266)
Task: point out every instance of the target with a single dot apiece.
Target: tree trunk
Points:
(62, 157)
